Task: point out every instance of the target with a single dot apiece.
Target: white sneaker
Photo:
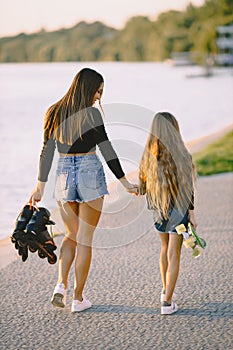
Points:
(78, 306)
(168, 310)
(59, 295)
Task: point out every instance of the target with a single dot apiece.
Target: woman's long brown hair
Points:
(64, 119)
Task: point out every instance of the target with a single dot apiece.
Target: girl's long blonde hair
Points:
(64, 119)
(167, 173)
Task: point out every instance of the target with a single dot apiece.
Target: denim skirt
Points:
(80, 178)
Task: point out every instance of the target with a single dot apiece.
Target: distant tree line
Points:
(192, 30)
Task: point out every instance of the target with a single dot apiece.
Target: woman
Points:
(167, 177)
(76, 127)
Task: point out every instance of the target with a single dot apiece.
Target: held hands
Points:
(131, 188)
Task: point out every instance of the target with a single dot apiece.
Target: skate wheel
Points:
(52, 260)
(20, 251)
(41, 254)
(24, 257)
(32, 250)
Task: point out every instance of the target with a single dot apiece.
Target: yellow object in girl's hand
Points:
(191, 239)
(180, 229)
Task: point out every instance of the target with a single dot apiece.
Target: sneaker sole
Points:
(57, 300)
(88, 307)
(164, 312)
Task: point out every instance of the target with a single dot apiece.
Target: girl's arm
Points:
(192, 219)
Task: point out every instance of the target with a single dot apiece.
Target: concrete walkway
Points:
(124, 286)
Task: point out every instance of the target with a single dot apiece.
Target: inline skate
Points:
(18, 237)
(38, 237)
(30, 233)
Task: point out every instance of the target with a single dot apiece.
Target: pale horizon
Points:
(19, 16)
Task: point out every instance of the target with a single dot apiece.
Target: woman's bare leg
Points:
(89, 214)
(173, 255)
(69, 212)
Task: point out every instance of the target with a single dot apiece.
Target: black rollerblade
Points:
(18, 237)
(38, 237)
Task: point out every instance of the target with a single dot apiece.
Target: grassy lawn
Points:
(216, 158)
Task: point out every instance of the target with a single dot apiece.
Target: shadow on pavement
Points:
(213, 310)
(123, 309)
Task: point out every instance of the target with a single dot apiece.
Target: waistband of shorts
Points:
(77, 157)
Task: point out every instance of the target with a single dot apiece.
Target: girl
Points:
(76, 127)
(167, 177)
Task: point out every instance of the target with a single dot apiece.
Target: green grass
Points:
(216, 158)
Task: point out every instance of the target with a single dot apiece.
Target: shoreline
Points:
(9, 254)
(204, 141)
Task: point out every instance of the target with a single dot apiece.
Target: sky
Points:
(28, 16)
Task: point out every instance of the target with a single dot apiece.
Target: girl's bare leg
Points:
(173, 255)
(164, 237)
(69, 213)
(89, 214)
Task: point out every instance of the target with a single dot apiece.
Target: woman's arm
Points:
(109, 153)
(46, 158)
(37, 193)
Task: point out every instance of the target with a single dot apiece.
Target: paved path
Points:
(124, 286)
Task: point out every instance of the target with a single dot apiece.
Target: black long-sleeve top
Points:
(91, 136)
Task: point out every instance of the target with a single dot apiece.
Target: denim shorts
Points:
(169, 225)
(80, 178)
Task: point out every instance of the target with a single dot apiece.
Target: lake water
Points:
(133, 93)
